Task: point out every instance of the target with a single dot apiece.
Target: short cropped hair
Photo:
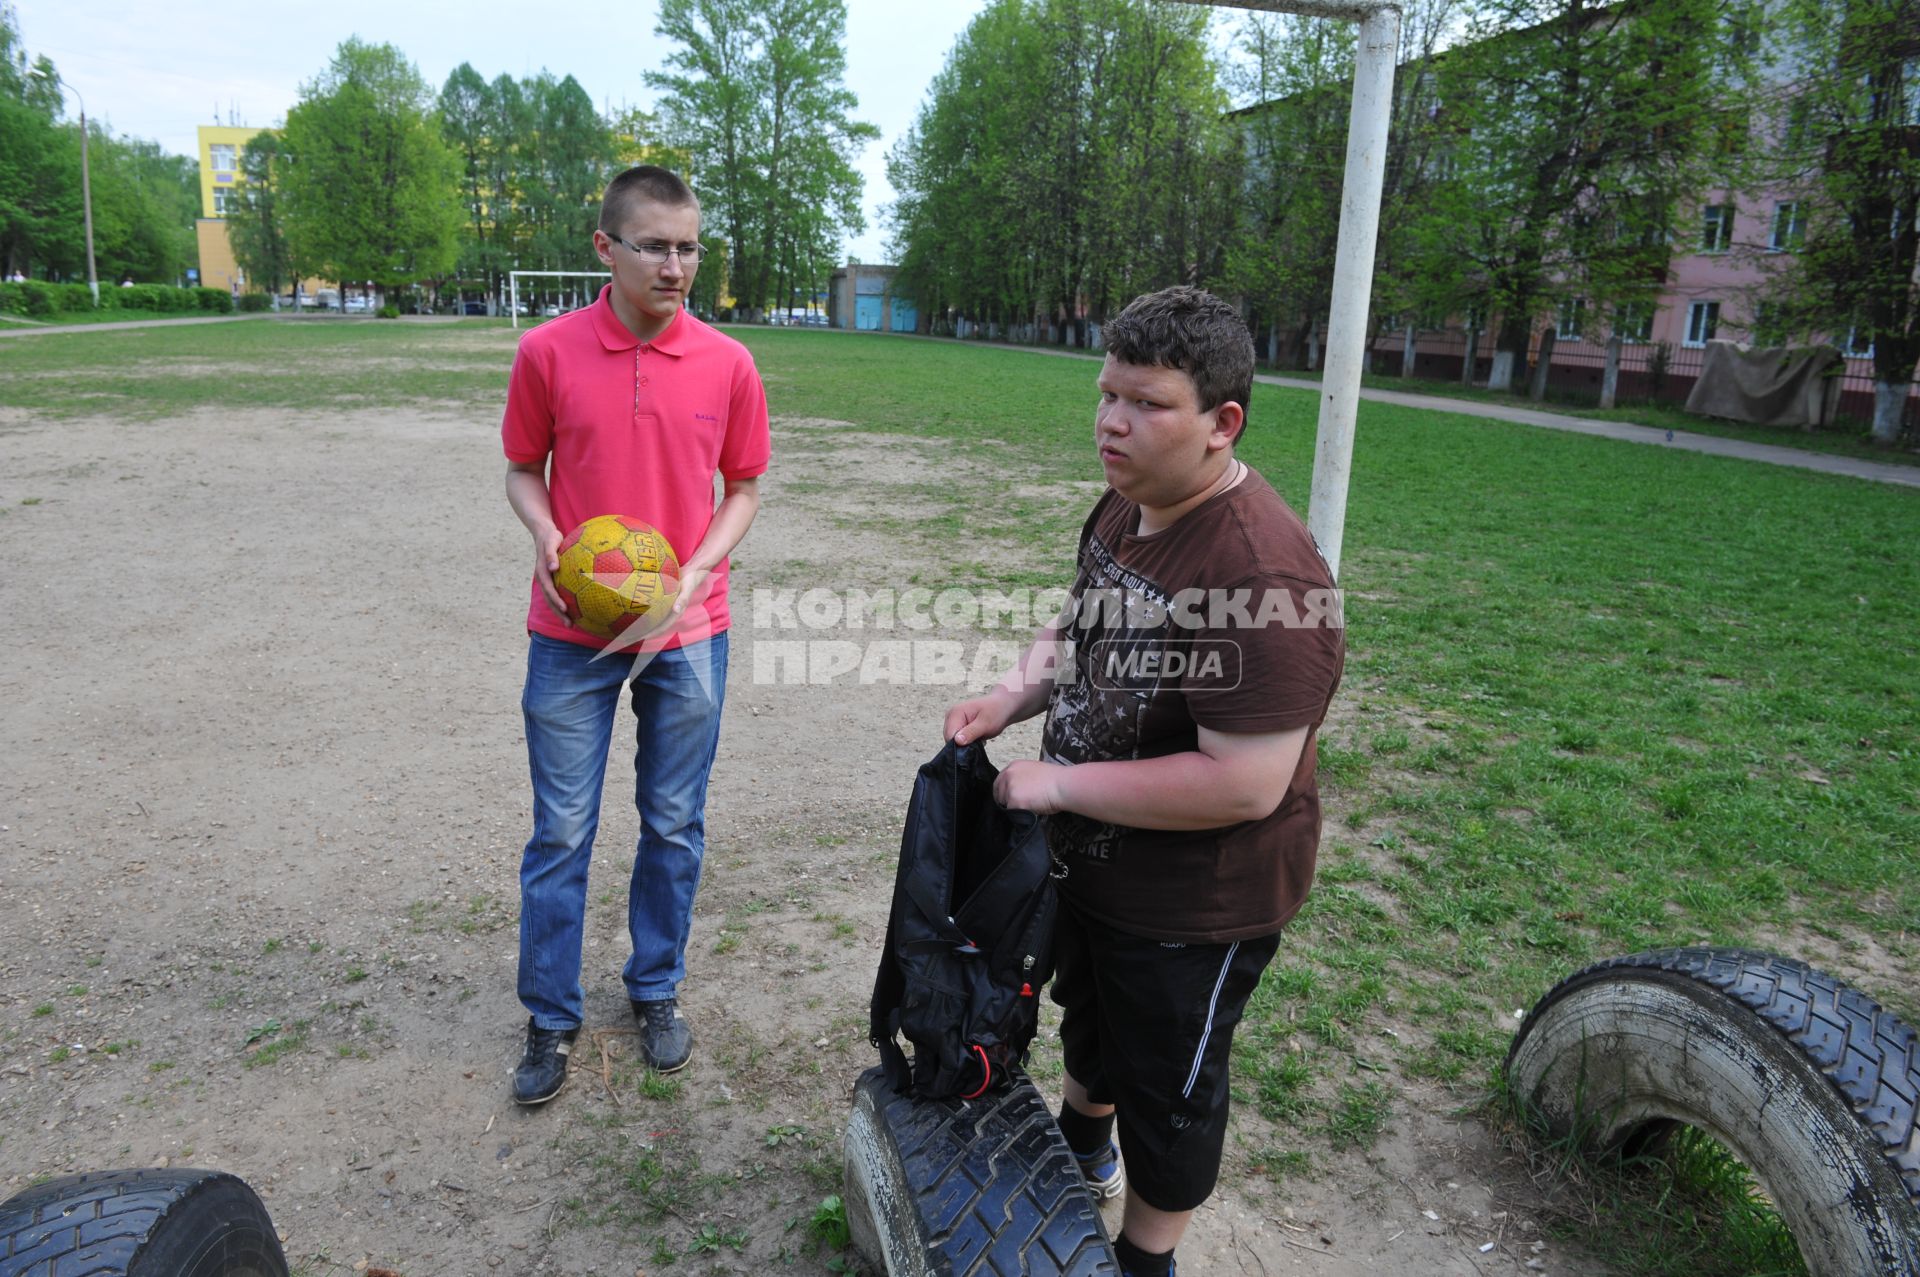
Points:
(1190, 329)
(647, 182)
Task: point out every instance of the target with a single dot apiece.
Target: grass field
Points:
(1600, 698)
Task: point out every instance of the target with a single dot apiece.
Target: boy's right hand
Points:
(546, 561)
(982, 718)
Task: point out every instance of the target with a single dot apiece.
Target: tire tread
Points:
(93, 1224)
(997, 1187)
(1870, 1056)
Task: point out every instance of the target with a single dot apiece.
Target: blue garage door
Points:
(866, 313)
(904, 316)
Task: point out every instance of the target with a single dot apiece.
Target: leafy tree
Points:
(533, 157)
(144, 200)
(755, 94)
(563, 167)
(469, 121)
(255, 226)
(1570, 129)
(1298, 73)
(369, 188)
(1071, 154)
(1844, 149)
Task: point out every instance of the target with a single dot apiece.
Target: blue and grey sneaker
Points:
(1102, 1170)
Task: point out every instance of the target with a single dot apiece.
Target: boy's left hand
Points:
(693, 588)
(1031, 785)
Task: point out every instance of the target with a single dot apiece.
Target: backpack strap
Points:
(883, 1016)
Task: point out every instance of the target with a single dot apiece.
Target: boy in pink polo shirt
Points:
(630, 406)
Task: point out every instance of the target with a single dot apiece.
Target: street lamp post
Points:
(86, 181)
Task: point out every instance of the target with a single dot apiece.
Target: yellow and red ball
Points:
(614, 571)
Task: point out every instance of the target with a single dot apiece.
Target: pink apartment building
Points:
(1713, 281)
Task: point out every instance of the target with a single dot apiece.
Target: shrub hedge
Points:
(38, 298)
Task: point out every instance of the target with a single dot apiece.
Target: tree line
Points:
(1543, 154)
(144, 200)
(376, 177)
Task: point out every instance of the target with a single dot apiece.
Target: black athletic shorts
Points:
(1147, 1026)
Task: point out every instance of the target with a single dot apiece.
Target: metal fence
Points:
(1650, 372)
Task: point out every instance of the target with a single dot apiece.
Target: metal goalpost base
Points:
(1373, 67)
(513, 286)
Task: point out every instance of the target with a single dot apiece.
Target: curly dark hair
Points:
(1190, 329)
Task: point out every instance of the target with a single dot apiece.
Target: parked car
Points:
(360, 303)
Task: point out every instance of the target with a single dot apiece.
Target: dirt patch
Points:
(262, 822)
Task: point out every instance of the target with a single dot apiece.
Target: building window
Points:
(221, 157)
(1703, 320)
(1787, 227)
(1716, 228)
(1634, 322)
(1859, 345)
(1573, 313)
(223, 199)
(1898, 104)
(1731, 130)
(1769, 324)
(1799, 132)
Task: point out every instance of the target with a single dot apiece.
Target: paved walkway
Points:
(1767, 453)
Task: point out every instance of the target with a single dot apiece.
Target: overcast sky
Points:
(160, 70)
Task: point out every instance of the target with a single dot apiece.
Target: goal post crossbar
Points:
(1375, 56)
(513, 285)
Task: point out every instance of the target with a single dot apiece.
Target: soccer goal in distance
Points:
(576, 295)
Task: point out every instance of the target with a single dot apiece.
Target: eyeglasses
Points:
(654, 253)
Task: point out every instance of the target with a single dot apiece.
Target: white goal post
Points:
(1373, 65)
(513, 285)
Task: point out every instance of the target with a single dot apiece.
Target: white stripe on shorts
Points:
(1201, 1054)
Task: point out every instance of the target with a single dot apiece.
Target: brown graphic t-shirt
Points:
(1227, 620)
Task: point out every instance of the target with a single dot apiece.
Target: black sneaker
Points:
(543, 1065)
(666, 1043)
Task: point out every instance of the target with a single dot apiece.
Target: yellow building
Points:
(220, 147)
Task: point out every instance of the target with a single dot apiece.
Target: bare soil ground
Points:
(261, 815)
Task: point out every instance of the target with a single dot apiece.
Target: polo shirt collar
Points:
(615, 335)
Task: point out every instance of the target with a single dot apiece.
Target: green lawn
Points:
(1603, 697)
(145, 374)
(1600, 697)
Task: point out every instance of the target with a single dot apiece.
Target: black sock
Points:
(1135, 1262)
(1084, 1134)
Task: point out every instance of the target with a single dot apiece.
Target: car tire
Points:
(968, 1188)
(141, 1223)
(1810, 1083)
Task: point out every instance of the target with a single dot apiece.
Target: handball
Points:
(614, 571)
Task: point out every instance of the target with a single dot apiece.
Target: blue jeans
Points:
(569, 704)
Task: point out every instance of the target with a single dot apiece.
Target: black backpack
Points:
(970, 939)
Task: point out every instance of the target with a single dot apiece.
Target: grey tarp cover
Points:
(1774, 386)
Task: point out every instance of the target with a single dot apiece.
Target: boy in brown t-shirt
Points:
(1183, 686)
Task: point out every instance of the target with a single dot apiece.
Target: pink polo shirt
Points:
(638, 429)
